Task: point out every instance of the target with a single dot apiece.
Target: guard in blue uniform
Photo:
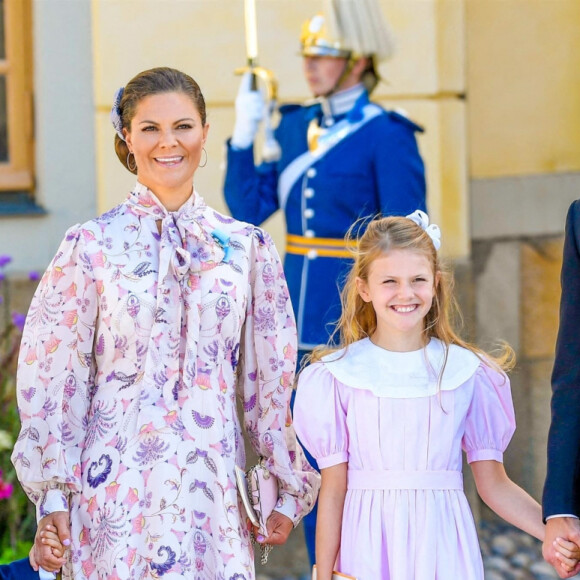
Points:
(368, 165)
(330, 163)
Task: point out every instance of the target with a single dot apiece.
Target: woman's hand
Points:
(279, 527)
(42, 552)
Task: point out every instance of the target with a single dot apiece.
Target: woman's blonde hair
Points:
(358, 319)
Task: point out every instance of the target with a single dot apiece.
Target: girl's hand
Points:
(568, 555)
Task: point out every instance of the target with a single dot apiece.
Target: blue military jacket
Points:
(368, 164)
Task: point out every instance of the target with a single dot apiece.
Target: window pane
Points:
(3, 121)
(2, 37)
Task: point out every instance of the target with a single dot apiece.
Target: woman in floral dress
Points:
(147, 325)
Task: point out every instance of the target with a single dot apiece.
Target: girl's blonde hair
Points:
(358, 319)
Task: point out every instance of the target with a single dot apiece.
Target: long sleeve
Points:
(267, 374)
(251, 192)
(55, 375)
(399, 172)
(561, 494)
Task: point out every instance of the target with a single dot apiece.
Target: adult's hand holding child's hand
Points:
(44, 552)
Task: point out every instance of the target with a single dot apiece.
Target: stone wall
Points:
(517, 289)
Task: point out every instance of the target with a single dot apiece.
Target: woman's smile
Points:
(169, 161)
(167, 137)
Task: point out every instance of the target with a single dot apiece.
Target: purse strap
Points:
(265, 549)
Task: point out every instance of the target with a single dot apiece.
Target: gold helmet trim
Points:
(315, 40)
(348, 29)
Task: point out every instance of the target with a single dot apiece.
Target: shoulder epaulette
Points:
(402, 118)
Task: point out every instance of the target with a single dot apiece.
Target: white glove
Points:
(249, 112)
(271, 150)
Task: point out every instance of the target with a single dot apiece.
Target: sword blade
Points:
(251, 30)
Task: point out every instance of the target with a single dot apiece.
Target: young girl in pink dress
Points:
(387, 415)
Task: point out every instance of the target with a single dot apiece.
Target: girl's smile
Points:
(404, 309)
(401, 287)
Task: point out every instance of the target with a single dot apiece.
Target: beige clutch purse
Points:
(335, 575)
(258, 490)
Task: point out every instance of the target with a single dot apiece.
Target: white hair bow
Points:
(433, 231)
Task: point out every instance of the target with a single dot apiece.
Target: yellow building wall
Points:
(523, 86)
(206, 39)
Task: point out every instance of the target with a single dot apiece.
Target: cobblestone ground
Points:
(508, 554)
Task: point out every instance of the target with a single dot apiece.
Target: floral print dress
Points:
(144, 329)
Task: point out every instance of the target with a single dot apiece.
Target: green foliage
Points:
(17, 514)
(9, 554)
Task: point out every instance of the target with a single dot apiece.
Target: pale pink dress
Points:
(405, 516)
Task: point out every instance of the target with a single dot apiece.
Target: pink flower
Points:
(5, 488)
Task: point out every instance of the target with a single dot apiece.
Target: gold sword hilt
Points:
(267, 76)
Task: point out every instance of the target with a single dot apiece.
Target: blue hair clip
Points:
(115, 116)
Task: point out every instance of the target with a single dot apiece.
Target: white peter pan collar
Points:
(363, 365)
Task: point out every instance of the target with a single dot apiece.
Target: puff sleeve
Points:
(320, 416)
(268, 356)
(55, 376)
(490, 421)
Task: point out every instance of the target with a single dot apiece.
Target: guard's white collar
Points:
(363, 365)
